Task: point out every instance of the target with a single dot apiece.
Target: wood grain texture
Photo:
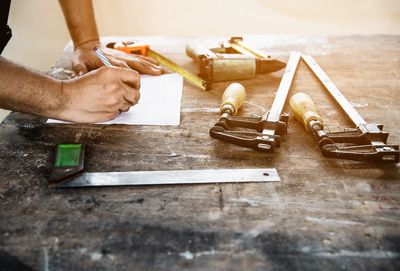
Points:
(325, 214)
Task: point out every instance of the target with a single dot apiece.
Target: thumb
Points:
(80, 68)
(129, 77)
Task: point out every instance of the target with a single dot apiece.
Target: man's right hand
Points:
(100, 95)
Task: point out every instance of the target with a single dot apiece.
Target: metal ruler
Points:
(173, 177)
(189, 76)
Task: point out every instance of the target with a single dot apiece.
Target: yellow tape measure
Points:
(133, 47)
(189, 76)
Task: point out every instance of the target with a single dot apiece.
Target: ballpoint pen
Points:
(102, 57)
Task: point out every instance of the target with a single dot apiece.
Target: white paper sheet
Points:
(159, 104)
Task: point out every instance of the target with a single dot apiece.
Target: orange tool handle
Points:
(130, 47)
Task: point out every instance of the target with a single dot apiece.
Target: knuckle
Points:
(114, 101)
(137, 96)
(113, 88)
(125, 108)
(134, 95)
(105, 70)
(134, 74)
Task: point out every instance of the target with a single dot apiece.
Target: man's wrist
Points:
(61, 99)
(90, 43)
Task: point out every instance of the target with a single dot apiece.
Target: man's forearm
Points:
(80, 19)
(24, 90)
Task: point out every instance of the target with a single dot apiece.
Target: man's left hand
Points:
(85, 60)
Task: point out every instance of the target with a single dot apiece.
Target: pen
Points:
(102, 57)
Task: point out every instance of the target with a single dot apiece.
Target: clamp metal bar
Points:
(274, 114)
(334, 91)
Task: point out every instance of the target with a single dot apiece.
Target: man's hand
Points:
(100, 95)
(81, 24)
(97, 96)
(85, 60)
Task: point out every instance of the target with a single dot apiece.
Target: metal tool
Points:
(367, 142)
(267, 130)
(68, 171)
(132, 47)
(173, 177)
(232, 61)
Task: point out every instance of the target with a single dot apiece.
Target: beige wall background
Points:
(39, 31)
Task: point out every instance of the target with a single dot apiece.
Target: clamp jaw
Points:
(255, 133)
(261, 134)
(367, 143)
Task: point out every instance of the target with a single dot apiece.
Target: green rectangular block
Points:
(68, 155)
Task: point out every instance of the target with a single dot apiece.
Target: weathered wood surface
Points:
(325, 214)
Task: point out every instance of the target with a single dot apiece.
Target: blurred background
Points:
(39, 31)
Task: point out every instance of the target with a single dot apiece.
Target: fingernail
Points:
(80, 73)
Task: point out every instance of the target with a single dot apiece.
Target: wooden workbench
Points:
(325, 214)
